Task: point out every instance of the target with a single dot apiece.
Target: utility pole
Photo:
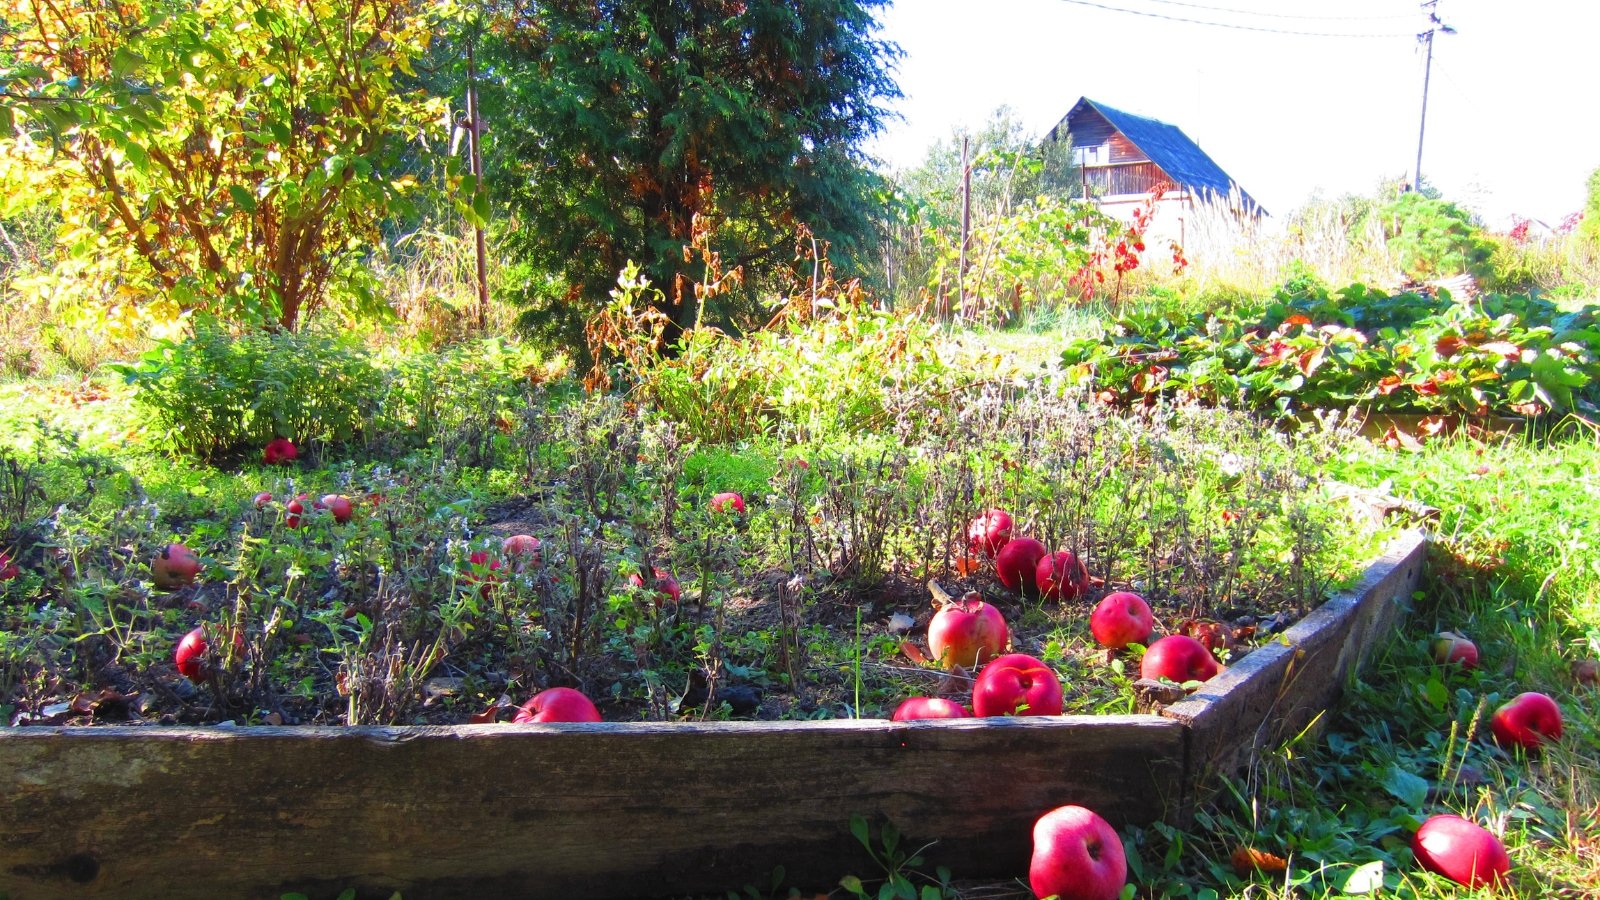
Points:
(1431, 7)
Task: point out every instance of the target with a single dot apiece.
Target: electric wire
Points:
(1236, 27)
(1274, 15)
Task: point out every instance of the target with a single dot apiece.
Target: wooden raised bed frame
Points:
(633, 809)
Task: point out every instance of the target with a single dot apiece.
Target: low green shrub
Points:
(1408, 352)
(1434, 238)
(219, 391)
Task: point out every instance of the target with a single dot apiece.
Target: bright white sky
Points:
(1513, 116)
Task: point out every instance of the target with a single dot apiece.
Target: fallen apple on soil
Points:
(1462, 851)
(279, 451)
(262, 499)
(1017, 564)
(989, 532)
(1120, 619)
(1527, 721)
(1017, 685)
(522, 550)
(557, 704)
(929, 708)
(481, 562)
(1077, 855)
(191, 655)
(666, 587)
(337, 504)
(1061, 576)
(967, 633)
(8, 569)
(1178, 658)
(174, 567)
(1449, 647)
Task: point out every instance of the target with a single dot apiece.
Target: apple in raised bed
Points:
(1017, 564)
(1061, 576)
(191, 655)
(294, 509)
(557, 704)
(1449, 647)
(174, 567)
(1527, 721)
(989, 532)
(337, 504)
(1077, 855)
(728, 502)
(929, 708)
(1178, 658)
(1462, 851)
(279, 451)
(1016, 685)
(522, 550)
(666, 587)
(1120, 619)
(967, 632)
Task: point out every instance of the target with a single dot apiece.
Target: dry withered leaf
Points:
(1586, 672)
(1216, 636)
(491, 714)
(913, 652)
(966, 565)
(957, 682)
(1249, 859)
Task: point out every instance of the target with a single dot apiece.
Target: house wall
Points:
(1172, 214)
(1089, 129)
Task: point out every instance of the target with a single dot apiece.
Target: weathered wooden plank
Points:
(604, 810)
(1278, 690)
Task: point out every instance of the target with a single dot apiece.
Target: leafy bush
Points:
(218, 391)
(432, 392)
(1434, 238)
(1404, 353)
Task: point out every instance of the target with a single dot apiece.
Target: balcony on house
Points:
(1113, 179)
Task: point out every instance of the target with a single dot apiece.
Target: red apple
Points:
(558, 704)
(294, 509)
(1016, 685)
(522, 550)
(666, 587)
(262, 499)
(1077, 855)
(1017, 564)
(1178, 658)
(1462, 851)
(929, 708)
(174, 567)
(279, 451)
(1449, 647)
(728, 501)
(1122, 618)
(191, 655)
(339, 505)
(8, 569)
(989, 532)
(1061, 576)
(1527, 721)
(967, 633)
(481, 561)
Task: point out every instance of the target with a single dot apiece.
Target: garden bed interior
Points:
(635, 809)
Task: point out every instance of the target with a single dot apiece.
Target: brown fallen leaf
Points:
(1249, 859)
(491, 714)
(1586, 672)
(913, 652)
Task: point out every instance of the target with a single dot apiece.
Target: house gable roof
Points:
(1168, 147)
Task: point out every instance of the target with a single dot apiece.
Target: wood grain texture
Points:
(1278, 690)
(603, 810)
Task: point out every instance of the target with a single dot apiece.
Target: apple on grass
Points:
(8, 569)
(522, 549)
(174, 567)
(666, 589)
(479, 561)
(1526, 721)
(558, 704)
(989, 532)
(1016, 685)
(1178, 658)
(929, 708)
(1061, 576)
(1449, 647)
(1122, 618)
(728, 502)
(1077, 855)
(1017, 564)
(967, 633)
(337, 504)
(262, 499)
(294, 509)
(1462, 851)
(279, 451)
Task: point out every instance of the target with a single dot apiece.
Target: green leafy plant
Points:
(1434, 238)
(898, 864)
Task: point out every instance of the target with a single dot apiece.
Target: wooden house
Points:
(1122, 158)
